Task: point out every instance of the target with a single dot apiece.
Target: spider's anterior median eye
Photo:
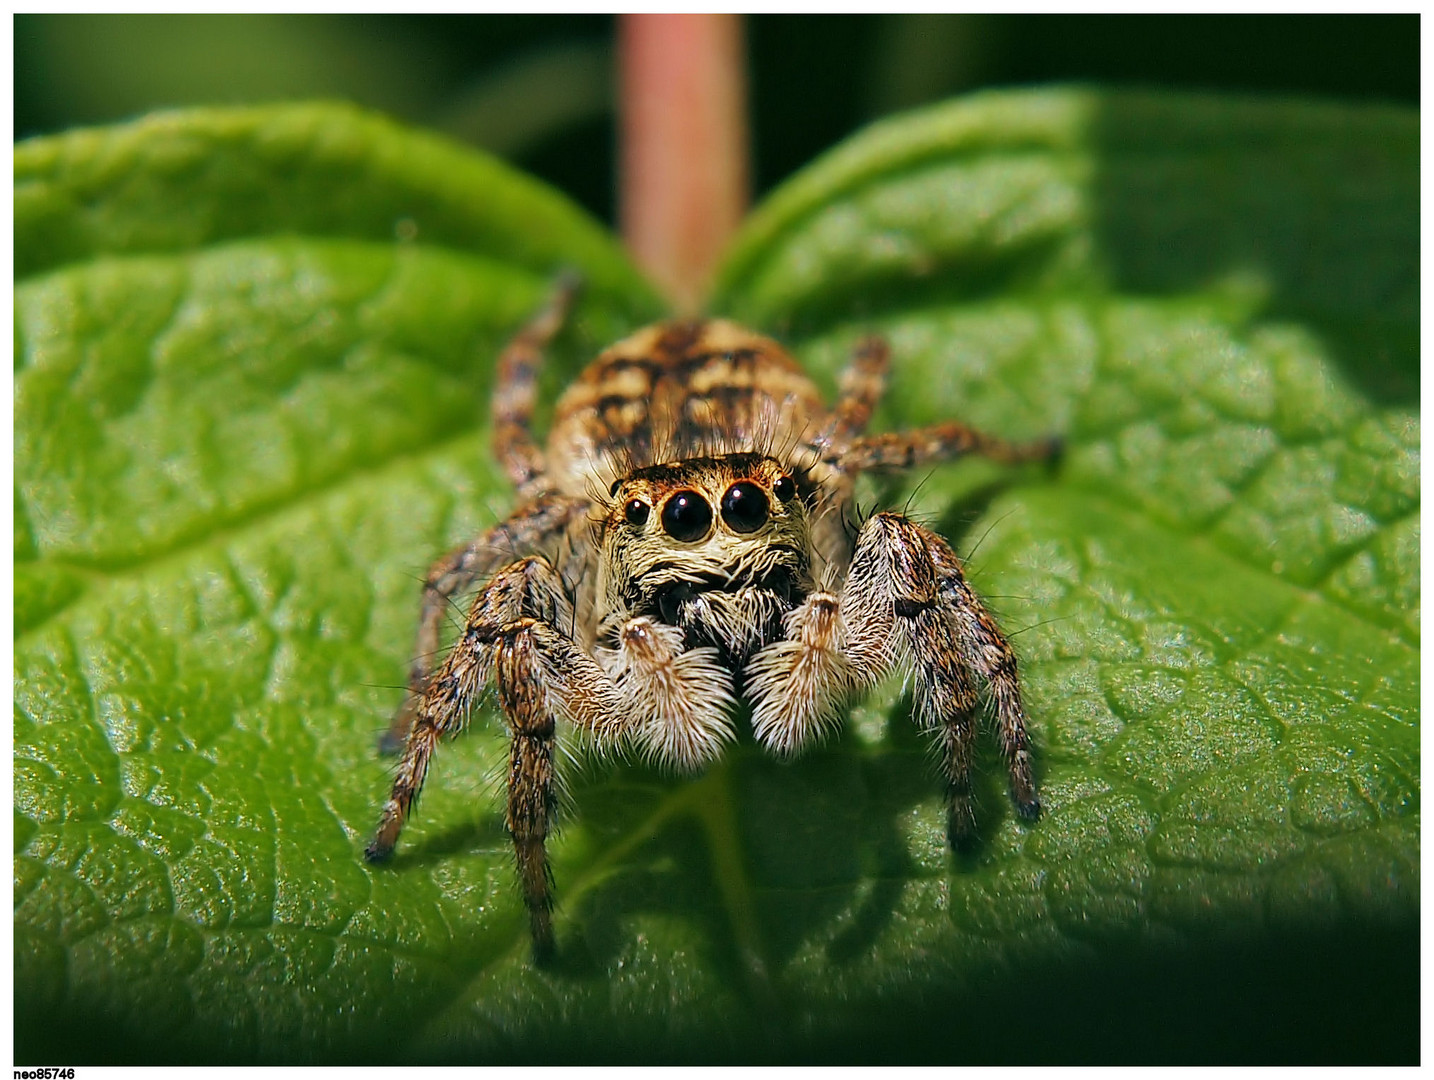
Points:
(687, 517)
(784, 488)
(744, 507)
(636, 511)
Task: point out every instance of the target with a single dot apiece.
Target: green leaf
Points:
(247, 417)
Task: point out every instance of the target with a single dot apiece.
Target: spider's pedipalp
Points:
(680, 700)
(798, 684)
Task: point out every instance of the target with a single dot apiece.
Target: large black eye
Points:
(687, 517)
(744, 507)
(784, 488)
(635, 511)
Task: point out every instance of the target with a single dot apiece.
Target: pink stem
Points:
(683, 175)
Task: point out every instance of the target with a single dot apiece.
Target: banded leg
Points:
(528, 588)
(905, 601)
(988, 651)
(539, 670)
(515, 391)
(542, 675)
(673, 702)
(937, 443)
(944, 693)
(859, 388)
(510, 633)
(903, 575)
(531, 794)
(529, 528)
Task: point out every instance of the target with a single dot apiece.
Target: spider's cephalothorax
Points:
(716, 546)
(683, 542)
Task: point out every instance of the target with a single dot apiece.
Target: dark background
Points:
(538, 89)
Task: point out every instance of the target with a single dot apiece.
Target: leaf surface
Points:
(248, 414)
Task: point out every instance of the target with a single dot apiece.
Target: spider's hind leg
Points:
(945, 441)
(860, 387)
(515, 390)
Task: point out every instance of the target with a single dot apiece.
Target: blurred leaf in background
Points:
(537, 89)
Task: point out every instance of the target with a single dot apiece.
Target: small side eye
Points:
(636, 511)
(744, 507)
(687, 517)
(784, 488)
(612, 491)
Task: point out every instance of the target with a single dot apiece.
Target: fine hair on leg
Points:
(515, 391)
(533, 527)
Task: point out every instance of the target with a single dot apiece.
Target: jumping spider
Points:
(684, 541)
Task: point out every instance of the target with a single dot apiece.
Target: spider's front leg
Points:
(511, 634)
(949, 635)
(672, 702)
(905, 602)
(530, 528)
(986, 649)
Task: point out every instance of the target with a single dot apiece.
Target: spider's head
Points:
(718, 546)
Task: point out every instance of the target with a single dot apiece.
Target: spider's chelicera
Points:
(684, 541)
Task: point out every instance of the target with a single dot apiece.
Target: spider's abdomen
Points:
(678, 390)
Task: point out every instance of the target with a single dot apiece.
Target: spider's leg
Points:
(511, 633)
(515, 390)
(525, 589)
(937, 443)
(904, 602)
(989, 653)
(531, 793)
(951, 639)
(944, 692)
(859, 387)
(530, 528)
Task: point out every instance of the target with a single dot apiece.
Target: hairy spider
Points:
(683, 542)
